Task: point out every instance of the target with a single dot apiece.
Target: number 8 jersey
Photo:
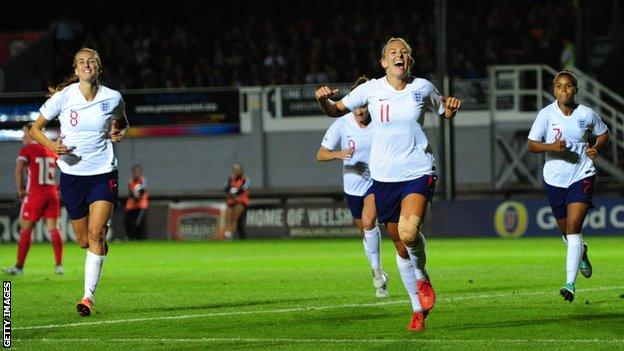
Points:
(400, 149)
(85, 126)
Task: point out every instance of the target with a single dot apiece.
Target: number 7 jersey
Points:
(400, 149)
(564, 168)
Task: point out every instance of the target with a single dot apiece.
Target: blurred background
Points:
(208, 84)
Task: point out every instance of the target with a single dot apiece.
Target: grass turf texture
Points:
(317, 295)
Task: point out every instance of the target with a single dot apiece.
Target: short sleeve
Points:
(599, 126)
(23, 154)
(53, 106)
(120, 110)
(434, 99)
(357, 97)
(538, 129)
(332, 136)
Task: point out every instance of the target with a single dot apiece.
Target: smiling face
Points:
(396, 58)
(565, 89)
(87, 65)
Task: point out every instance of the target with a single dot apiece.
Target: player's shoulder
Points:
(548, 110)
(65, 93)
(586, 110)
(25, 150)
(109, 92)
(373, 83)
(420, 83)
(340, 122)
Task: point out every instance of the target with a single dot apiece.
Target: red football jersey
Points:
(41, 167)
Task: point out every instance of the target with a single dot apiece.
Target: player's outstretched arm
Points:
(329, 107)
(451, 106)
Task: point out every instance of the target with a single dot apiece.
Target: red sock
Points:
(57, 245)
(22, 247)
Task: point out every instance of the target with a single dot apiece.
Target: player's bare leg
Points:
(576, 213)
(408, 277)
(413, 211)
(97, 222)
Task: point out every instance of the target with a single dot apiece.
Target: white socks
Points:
(372, 238)
(418, 256)
(573, 259)
(93, 267)
(406, 269)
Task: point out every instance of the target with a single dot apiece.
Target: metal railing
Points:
(522, 90)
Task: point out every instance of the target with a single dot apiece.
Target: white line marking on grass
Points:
(384, 341)
(295, 309)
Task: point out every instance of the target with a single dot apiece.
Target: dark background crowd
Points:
(146, 44)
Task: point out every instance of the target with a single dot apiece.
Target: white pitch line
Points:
(289, 340)
(294, 309)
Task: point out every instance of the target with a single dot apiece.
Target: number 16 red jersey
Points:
(41, 168)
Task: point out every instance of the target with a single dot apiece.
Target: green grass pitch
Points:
(493, 294)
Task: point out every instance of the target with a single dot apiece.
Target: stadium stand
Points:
(247, 44)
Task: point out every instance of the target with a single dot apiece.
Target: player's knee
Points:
(83, 242)
(368, 222)
(408, 229)
(573, 228)
(96, 233)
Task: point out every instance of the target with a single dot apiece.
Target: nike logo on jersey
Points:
(380, 99)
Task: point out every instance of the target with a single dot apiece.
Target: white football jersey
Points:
(400, 148)
(561, 169)
(345, 133)
(85, 126)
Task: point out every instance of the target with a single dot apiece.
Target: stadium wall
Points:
(191, 165)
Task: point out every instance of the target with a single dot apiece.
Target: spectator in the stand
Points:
(236, 198)
(285, 50)
(136, 205)
(567, 60)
